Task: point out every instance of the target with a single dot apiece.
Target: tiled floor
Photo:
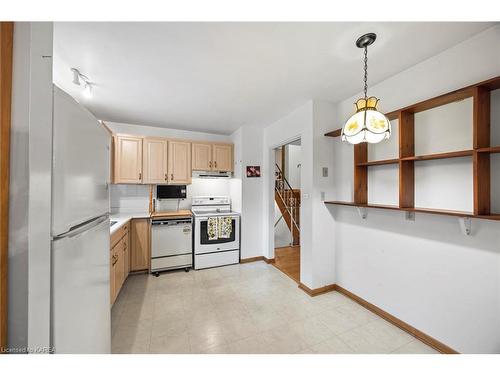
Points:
(248, 308)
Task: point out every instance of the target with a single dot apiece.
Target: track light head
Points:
(76, 76)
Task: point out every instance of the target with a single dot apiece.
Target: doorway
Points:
(287, 187)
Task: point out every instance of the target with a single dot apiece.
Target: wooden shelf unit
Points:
(442, 155)
(379, 162)
(434, 211)
(480, 153)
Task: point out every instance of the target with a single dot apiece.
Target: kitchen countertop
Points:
(180, 213)
(124, 217)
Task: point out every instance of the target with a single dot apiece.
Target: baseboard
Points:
(269, 260)
(425, 338)
(257, 259)
(317, 291)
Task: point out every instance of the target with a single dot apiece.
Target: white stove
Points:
(221, 250)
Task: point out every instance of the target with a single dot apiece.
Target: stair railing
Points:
(287, 196)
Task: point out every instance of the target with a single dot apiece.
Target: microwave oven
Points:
(171, 192)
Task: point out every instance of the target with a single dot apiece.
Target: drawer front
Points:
(120, 232)
(216, 259)
(177, 261)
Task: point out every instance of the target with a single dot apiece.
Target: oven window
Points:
(204, 234)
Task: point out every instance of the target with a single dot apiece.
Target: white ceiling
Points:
(216, 77)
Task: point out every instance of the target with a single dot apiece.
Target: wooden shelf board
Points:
(491, 150)
(491, 84)
(440, 100)
(334, 133)
(434, 211)
(379, 162)
(442, 155)
(392, 115)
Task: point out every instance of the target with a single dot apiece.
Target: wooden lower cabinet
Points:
(112, 284)
(140, 253)
(130, 251)
(119, 260)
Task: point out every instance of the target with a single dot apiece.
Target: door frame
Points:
(271, 161)
(6, 46)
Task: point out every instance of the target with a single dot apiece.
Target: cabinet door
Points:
(140, 242)
(222, 157)
(179, 162)
(127, 160)
(126, 256)
(155, 160)
(119, 268)
(112, 269)
(201, 156)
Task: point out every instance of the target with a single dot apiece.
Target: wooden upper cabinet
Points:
(155, 160)
(127, 159)
(222, 156)
(201, 156)
(179, 162)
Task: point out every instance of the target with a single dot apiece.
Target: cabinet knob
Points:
(172, 176)
(215, 164)
(210, 164)
(166, 177)
(140, 175)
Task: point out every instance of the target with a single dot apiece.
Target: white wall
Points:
(19, 191)
(323, 225)
(292, 170)
(426, 272)
(30, 187)
(309, 123)
(152, 131)
(297, 124)
(248, 192)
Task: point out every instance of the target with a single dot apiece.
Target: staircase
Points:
(288, 201)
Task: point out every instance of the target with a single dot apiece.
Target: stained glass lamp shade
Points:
(367, 124)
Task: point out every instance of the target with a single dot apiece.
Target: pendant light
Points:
(367, 124)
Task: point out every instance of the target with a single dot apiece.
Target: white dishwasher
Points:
(171, 244)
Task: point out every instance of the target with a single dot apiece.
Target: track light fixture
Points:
(78, 78)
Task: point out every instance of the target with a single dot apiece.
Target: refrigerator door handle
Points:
(82, 228)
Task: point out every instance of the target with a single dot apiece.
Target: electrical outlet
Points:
(305, 196)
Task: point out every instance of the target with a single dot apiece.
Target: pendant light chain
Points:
(366, 71)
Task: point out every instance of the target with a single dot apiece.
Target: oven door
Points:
(203, 245)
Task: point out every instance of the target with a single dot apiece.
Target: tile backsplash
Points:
(135, 198)
(131, 198)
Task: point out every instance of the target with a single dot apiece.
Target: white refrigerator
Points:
(80, 291)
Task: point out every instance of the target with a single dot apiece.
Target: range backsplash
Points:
(135, 198)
